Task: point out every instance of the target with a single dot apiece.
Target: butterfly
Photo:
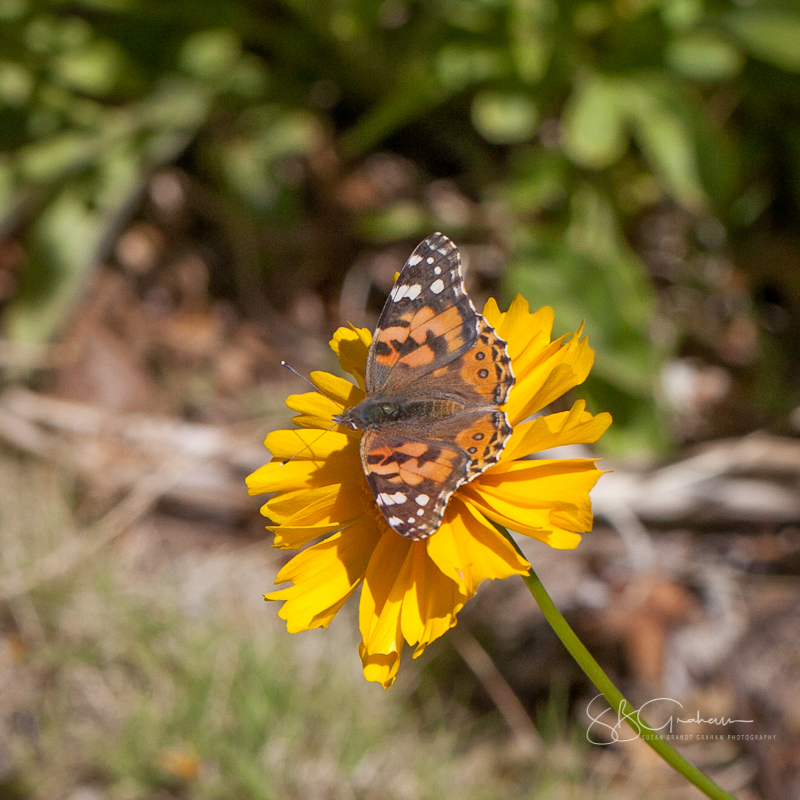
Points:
(437, 374)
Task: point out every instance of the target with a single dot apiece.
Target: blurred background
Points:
(192, 191)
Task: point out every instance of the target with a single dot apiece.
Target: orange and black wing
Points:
(427, 322)
(411, 479)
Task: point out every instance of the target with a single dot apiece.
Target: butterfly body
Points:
(437, 374)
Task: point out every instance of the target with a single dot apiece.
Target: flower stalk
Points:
(615, 698)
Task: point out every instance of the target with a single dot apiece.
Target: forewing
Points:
(427, 321)
(412, 479)
(481, 377)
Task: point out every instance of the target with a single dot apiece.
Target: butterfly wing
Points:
(431, 345)
(428, 319)
(412, 479)
(413, 474)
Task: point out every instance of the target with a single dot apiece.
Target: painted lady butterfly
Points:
(436, 375)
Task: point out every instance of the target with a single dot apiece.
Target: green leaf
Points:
(661, 129)
(682, 14)
(504, 118)
(16, 84)
(594, 125)
(459, 66)
(210, 54)
(90, 68)
(400, 221)
(589, 275)
(540, 181)
(63, 242)
(772, 36)
(49, 159)
(269, 133)
(531, 37)
(705, 56)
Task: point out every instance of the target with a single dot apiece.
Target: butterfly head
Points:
(369, 414)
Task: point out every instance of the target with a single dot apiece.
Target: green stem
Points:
(613, 695)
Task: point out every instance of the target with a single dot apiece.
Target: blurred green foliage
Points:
(564, 119)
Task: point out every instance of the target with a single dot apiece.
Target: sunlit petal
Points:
(382, 600)
(338, 389)
(548, 377)
(303, 443)
(469, 549)
(576, 426)
(324, 576)
(316, 411)
(351, 345)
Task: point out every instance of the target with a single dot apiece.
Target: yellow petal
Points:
(469, 549)
(316, 411)
(337, 388)
(431, 600)
(315, 512)
(351, 345)
(325, 505)
(539, 484)
(382, 597)
(548, 500)
(576, 426)
(324, 576)
(548, 377)
(304, 444)
(380, 668)
(548, 532)
(523, 331)
(300, 474)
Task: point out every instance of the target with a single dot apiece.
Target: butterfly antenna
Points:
(315, 388)
(309, 445)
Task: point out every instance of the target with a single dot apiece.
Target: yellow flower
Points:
(411, 591)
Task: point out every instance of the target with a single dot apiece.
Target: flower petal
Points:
(323, 505)
(304, 444)
(337, 388)
(524, 332)
(548, 500)
(316, 411)
(556, 370)
(301, 473)
(380, 607)
(469, 549)
(405, 598)
(576, 426)
(324, 576)
(380, 668)
(351, 345)
(431, 600)
(316, 512)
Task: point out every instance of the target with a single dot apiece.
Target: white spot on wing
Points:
(437, 271)
(412, 292)
(391, 499)
(414, 260)
(437, 286)
(422, 499)
(429, 259)
(411, 520)
(394, 521)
